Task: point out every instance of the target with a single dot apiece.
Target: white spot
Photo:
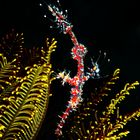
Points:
(45, 16)
(97, 70)
(108, 60)
(104, 53)
(40, 4)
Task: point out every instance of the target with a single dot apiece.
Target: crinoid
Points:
(24, 96)
(97, 120)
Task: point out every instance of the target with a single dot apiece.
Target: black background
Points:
(113, 27)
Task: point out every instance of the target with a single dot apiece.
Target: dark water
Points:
(113, 27)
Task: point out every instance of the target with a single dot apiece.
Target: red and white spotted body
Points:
(78, 53)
